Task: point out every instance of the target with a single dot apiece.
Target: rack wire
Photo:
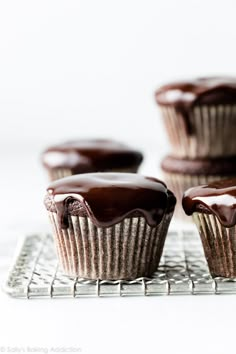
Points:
(182, 271)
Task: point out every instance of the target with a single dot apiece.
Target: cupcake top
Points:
(90, 155)
(211, 90)
(218, 198)
(203, 91)
(107, 198)
(217, 166)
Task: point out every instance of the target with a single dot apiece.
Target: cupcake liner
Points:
(219, 244)
(179, 183)
(127, 250)
(58, 173)
(213, 131)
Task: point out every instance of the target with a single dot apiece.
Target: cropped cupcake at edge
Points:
(213, 207)
(200, 116)
(109, 225)
(90, 155)
(182, 174)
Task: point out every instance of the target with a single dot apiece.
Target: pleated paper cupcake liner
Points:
(219, 244)
(213, 131)
(58, 173)
(179, 183)
(127, 250)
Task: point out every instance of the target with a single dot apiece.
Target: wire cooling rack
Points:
(182, 270)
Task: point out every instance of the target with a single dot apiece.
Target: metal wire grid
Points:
(182, 270)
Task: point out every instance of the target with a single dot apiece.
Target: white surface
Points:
(91, 67)
(86, 68)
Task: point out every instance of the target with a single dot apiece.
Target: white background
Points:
(72, 69)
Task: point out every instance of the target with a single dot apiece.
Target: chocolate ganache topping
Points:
(90, 155)
(218, 166)
(107, 198)
(218, 198)
(203, 91)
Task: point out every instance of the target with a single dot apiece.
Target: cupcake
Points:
(94, 155)
(200, 116)
(182, 174)
(213, 207)
(109, 225)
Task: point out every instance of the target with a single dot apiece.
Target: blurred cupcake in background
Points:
(200, 116)
(213, 208)
(182, 174)
(109, 225)
(90, 155)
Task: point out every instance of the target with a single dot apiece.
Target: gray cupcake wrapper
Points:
(127, 250)
(219, 244)
(213, 131)
(58, 173)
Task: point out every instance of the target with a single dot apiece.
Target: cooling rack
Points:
(183, 270)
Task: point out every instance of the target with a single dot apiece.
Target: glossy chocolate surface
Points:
(90, 155)
(218, 198)
(107, 198)
(217, 166)
(203, 91)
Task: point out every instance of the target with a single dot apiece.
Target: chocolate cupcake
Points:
(200, 116)
(182, 174)
(109, 225)
(91, 155)
(213, 207)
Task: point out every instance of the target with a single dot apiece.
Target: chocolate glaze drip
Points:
(203, 91)
(217, 166)
(107, 198)
(218, 198)
(90, 155)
